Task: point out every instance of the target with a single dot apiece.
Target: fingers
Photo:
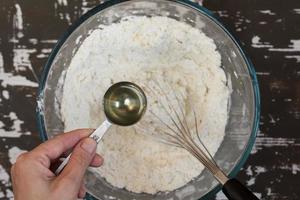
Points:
(53, 148)
(97, 161)
(83, 154)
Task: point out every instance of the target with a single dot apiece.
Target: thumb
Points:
(81, 158)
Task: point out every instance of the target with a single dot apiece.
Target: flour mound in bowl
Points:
(141, 49)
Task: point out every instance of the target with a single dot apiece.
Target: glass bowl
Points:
(244, 106)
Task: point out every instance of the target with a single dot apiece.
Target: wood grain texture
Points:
(269, 31)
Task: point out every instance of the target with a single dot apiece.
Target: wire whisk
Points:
(182, 131)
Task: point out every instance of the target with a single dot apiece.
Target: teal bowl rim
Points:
(195, 6)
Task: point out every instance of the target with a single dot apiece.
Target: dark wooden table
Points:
(269, 31)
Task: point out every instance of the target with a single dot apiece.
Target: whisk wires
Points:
(178, 133)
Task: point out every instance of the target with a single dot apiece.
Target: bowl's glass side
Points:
(241, 127)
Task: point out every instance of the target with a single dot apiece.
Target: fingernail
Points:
(91, 130)
(89, 145)
(100, 159)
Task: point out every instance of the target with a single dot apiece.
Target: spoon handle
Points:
(100, 131)
(96, 135)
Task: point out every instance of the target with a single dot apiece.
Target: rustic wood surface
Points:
(269, 31)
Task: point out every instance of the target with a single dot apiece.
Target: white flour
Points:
(140, 49)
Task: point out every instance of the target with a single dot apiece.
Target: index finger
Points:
(54, 147)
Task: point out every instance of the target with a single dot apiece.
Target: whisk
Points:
(177, 132)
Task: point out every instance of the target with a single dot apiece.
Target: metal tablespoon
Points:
(124, 104)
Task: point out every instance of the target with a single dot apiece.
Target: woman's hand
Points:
(31, 175)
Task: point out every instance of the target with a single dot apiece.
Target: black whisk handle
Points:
(234, 190)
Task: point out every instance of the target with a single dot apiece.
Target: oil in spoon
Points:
(124, 103)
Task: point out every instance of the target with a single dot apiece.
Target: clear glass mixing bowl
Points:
(244, 105)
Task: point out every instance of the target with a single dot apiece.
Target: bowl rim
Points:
(187, 3)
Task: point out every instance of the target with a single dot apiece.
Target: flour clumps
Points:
(140, 50)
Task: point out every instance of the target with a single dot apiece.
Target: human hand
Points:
(31, 175)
